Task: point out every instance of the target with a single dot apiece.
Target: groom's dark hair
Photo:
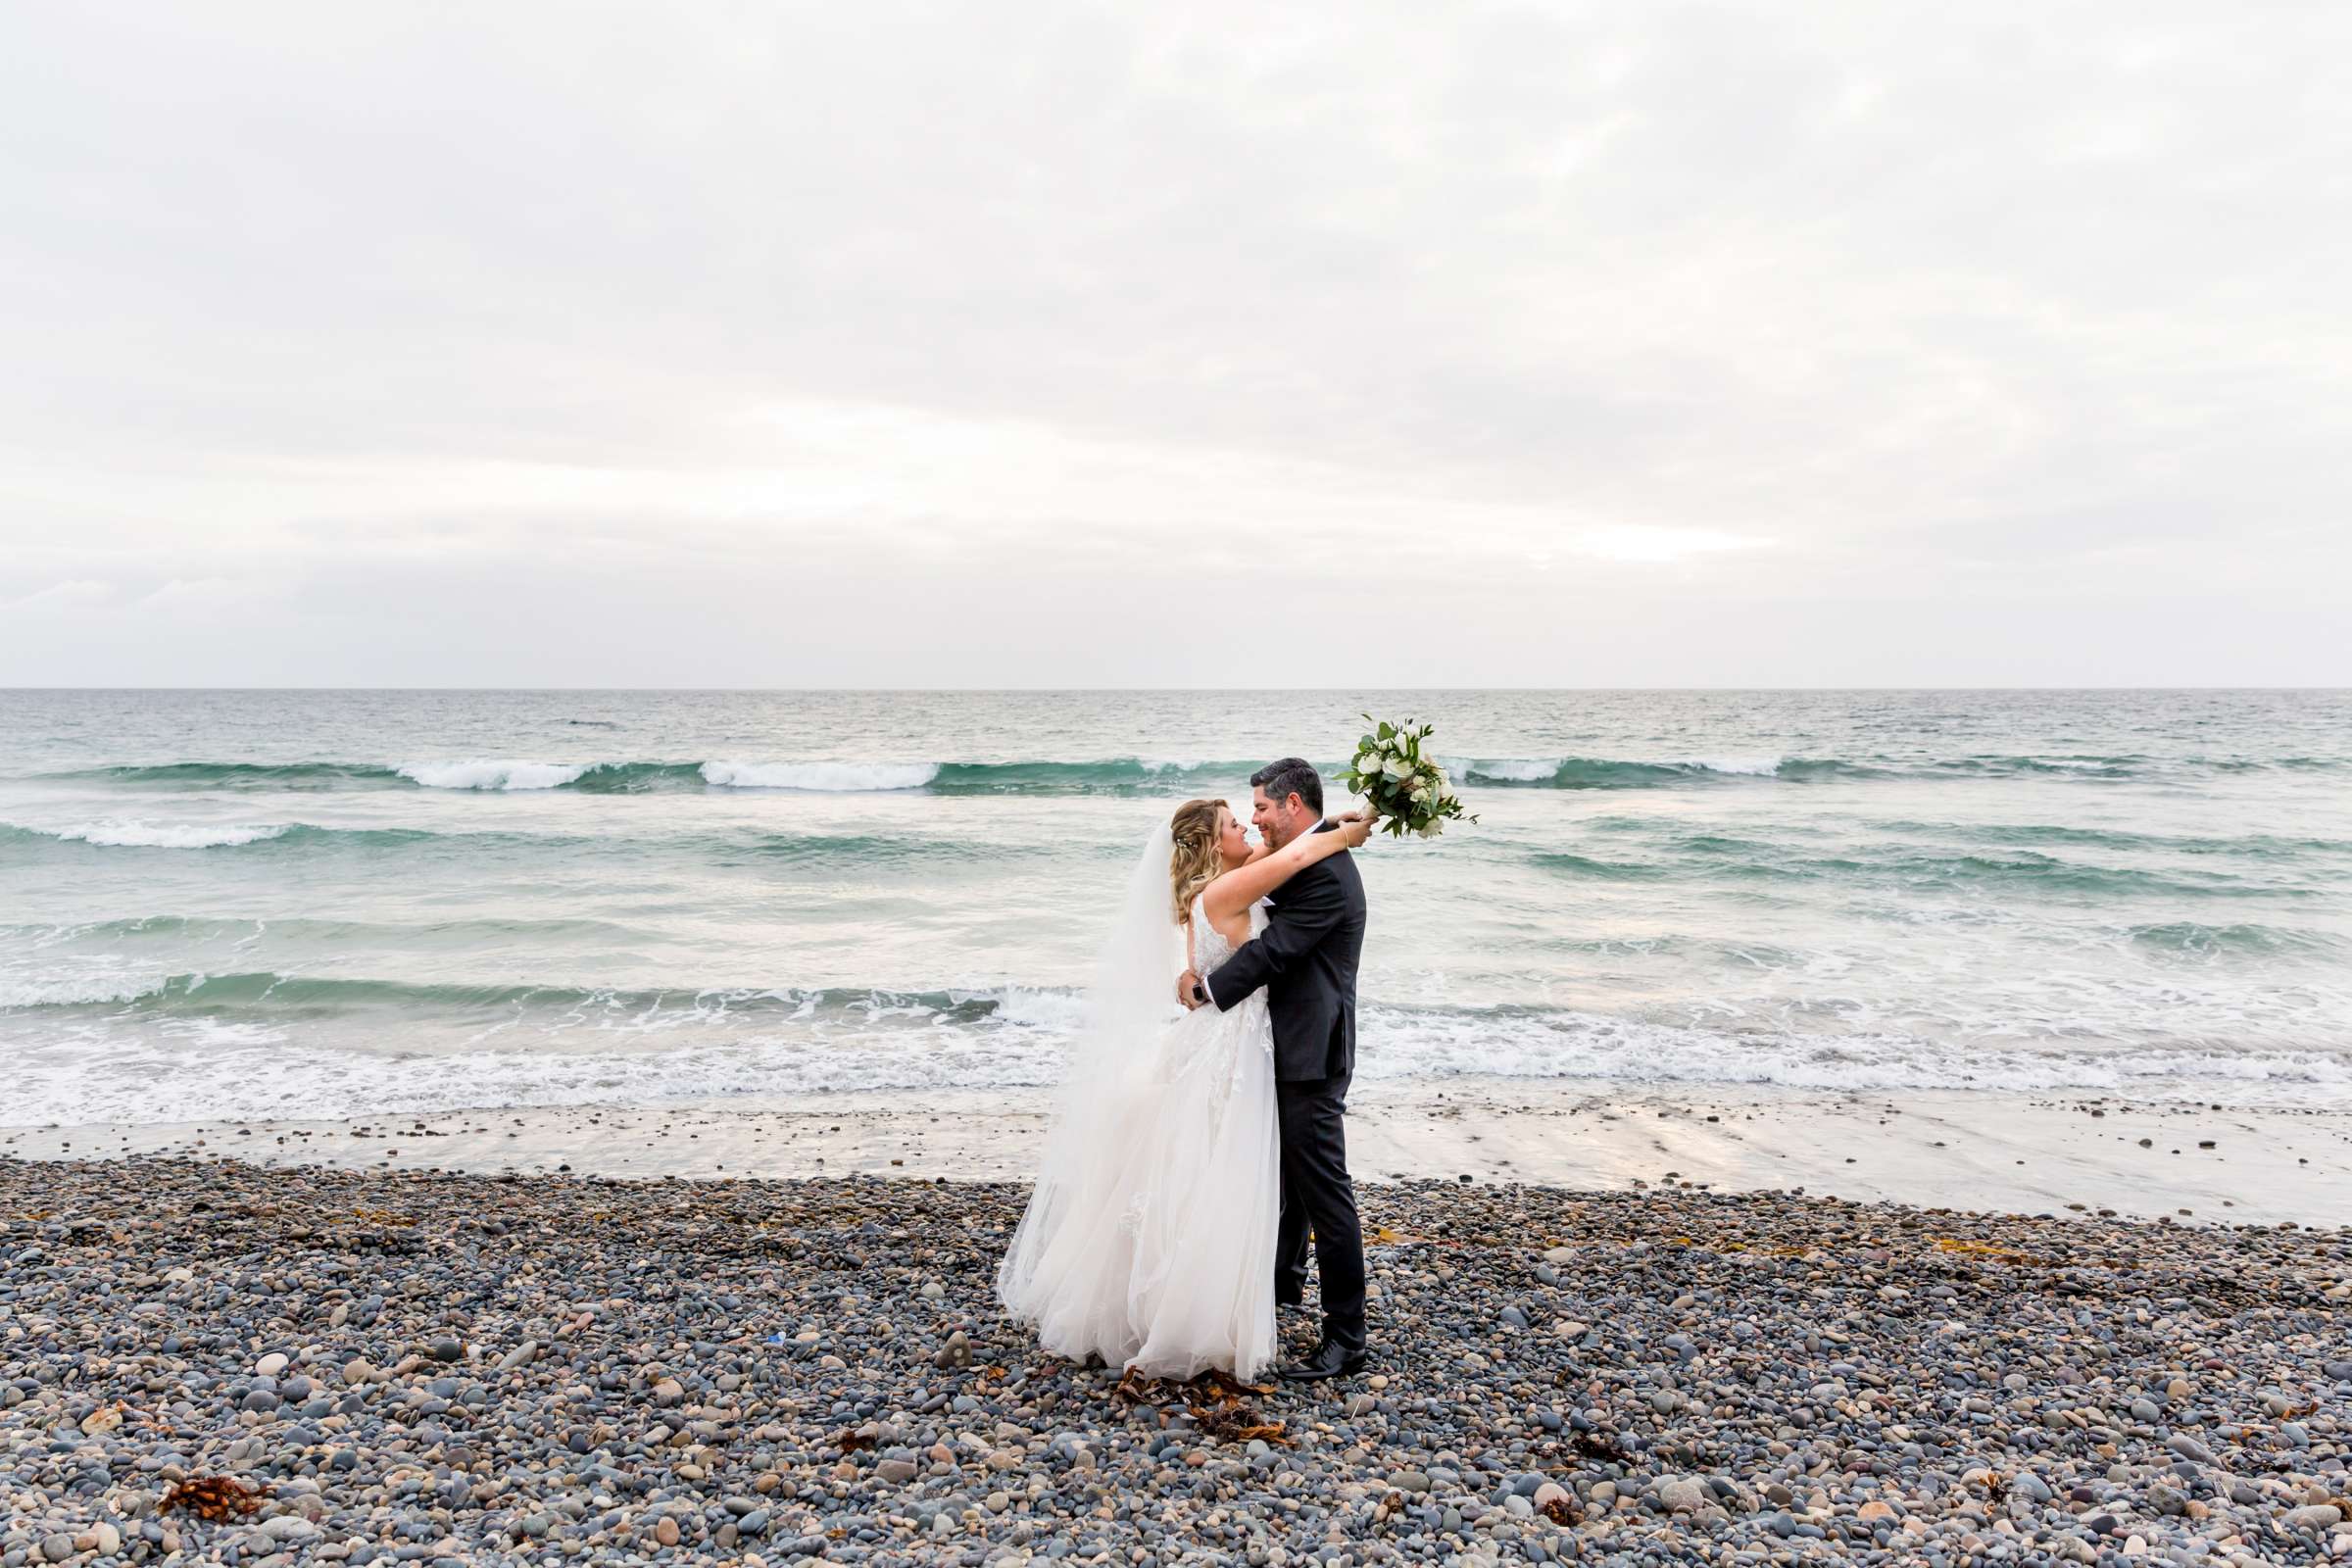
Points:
(1292, 775)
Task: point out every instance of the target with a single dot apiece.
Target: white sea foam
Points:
(1025, 1007)
(827, 777)
(1504, 769)
(1534, 770)
(208, 1035)
(116, 833)
(73, 989)
(719, 1047)
(485, 774)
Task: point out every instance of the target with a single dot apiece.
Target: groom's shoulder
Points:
(1339, 870)
(1331, 872)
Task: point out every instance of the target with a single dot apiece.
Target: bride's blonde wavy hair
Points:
(1195, 862)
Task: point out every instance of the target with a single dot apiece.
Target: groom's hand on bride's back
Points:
(1188, 988)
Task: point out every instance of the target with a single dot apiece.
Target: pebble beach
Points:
(207, 1361)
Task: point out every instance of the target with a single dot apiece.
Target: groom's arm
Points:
(1304, 917)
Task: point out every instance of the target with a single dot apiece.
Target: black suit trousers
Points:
(1317, 1194)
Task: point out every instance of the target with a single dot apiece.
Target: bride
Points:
(1150, 1239)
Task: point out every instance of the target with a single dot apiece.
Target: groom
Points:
(1306, 962)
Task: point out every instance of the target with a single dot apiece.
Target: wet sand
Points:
(1999, 1153)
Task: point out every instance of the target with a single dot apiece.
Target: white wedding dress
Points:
(1150, 1239)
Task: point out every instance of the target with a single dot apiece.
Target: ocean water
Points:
(252, 904)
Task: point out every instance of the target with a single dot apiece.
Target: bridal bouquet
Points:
(1409, 789)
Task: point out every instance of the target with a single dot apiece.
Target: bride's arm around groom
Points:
(1309, 911)
(1269, 869)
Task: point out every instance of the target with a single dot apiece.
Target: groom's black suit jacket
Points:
(1306, 962)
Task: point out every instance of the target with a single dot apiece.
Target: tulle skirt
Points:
(1150, 1239)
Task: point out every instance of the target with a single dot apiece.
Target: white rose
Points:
(1419, 792)
(1432, 827)
(1398, 768)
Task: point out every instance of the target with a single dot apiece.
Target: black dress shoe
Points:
(1328, 1361)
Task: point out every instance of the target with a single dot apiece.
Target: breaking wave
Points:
(1114, 776)
(1132, 776)
(112, 833)
(259, 990)
(1610, 773)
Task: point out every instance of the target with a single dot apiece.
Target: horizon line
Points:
(989, 691)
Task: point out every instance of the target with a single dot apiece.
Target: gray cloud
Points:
(942, 345)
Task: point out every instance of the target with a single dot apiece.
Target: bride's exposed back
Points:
(1150, 1240)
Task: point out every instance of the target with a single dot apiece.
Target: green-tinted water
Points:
(244, 903)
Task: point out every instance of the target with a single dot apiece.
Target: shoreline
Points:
(2025, 1154)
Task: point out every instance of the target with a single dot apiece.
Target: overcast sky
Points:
(1033, 344)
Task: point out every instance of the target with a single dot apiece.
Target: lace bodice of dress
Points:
(1210, 949)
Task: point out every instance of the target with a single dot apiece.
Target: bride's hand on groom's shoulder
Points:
(1355, 829)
